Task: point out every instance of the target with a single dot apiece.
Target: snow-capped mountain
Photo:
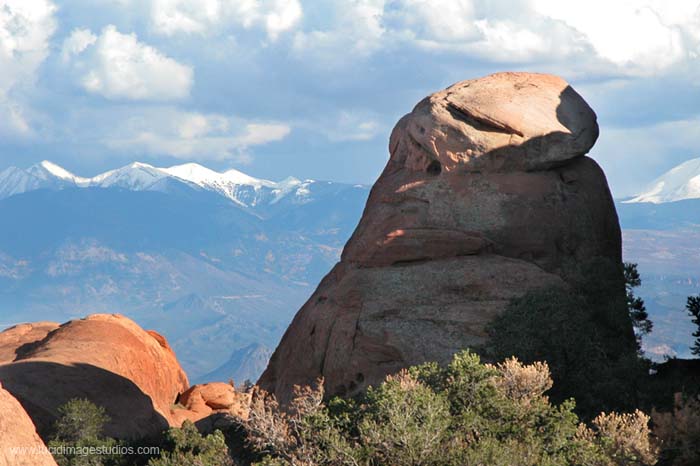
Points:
(678, 184)
(234, 185)
(661, 234)
(44, 175)
(215, 261)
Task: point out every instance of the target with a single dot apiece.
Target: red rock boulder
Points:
(201, 401)
(107, 359)
(20, 445)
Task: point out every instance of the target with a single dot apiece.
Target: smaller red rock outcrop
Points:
(20, 445)
(105, 358)
(201, 401)
(19, 338)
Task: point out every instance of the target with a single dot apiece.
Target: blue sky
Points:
(313, 88)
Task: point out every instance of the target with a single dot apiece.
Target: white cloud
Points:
(639, 36)
(26, 27)
(196, 125)
(173, 16)
(283, 16)
(256, 134)
(190, 135)
(468, 27)
(201, 16)
(349, 126)
(118, 66)
(351, 28)
(633, 157)
(77, 42)
(433, 20)
(491, 31)
(624, 37)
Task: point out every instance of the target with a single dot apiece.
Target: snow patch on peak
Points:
(192, 172)
(204, 176)
(680, 183)
(58, 172)
(234, 176)
(142, 165)
(232, 184)
(136, 176)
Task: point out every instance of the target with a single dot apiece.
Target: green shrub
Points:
(584, 332)
(635, 304)
(78, 432)
(693, 308)
(405, 422)
(466, 413)
(185, 446)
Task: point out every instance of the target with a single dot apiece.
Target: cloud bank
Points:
(312, 88)
(118, 66)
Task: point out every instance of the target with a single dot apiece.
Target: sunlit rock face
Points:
(487, 195)
(106, 358)
(202, 401)
(20, 445)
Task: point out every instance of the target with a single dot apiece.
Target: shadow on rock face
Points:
(577, 141)
(42, 387)
(487, 195)
(532, 197)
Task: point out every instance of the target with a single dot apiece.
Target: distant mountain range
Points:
(245, 364)
(238, 187)
(661, 232)
(678, 184)
(220, 262)
(215, 261)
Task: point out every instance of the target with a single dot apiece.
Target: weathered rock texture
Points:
(13, 339)
(20, 445)
(107, 359)
(487, 195)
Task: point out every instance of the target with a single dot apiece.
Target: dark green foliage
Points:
(79, 430)
(584, 332)
(693, 308)
(187, 447)
(80, 418)
(78, 439)
(246, 386)
(498, 421)
(635, 304)
(404, 422)
(466, 413)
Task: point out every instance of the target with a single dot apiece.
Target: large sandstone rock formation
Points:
(20, 445)
(107, 359)
(487, 194)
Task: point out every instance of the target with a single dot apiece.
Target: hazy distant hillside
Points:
(216, 267)
(661, 232)
(245, 364)
(220, 263)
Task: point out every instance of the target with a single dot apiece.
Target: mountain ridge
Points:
(680, 183)
(234, 185)
(179, 256)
